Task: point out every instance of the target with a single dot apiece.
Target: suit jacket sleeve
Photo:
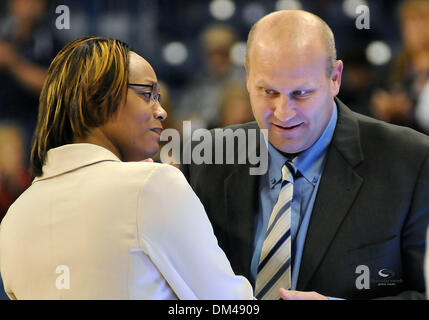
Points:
(414, 238)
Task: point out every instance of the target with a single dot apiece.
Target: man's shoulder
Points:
(372, 131)
(381, 142)
(391, 134)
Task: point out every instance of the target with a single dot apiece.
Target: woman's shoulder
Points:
(143, 172)
(144, 168)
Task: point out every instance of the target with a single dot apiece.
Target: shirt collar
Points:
(70, 157)
(310, 162)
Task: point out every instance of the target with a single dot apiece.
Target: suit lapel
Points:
(337, 190)
(241, 194)
(242, 205)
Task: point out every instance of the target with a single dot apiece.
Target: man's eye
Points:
(300, 93)
(269, 91)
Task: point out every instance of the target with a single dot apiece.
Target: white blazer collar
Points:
(73, 156)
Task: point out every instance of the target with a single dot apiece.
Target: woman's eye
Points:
(145, 94)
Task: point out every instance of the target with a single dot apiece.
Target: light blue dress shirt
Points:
(310, 164)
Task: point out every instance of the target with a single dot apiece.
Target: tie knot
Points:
(289, 171)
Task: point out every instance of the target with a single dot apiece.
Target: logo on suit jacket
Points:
(385, 278)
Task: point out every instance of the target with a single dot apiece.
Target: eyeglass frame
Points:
(154, 86)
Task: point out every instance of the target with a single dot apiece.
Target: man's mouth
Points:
(287, 127)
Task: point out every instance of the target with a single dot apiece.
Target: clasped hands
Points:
(300, 295)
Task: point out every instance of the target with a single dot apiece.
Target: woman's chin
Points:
(140, 157)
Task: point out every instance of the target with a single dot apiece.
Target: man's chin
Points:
(289, 151)
(288, 147)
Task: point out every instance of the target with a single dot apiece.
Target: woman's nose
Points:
(159, 112)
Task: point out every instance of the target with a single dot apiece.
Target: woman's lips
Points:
(157, 130)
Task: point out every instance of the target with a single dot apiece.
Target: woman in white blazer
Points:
(97, 221)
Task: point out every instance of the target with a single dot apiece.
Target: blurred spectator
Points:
(357, 80)
(14, 177)
(235, 105)
(411, 70)
(27, 46)
(422, 109)
(201, 97)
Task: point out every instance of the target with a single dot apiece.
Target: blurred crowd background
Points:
(197, 49)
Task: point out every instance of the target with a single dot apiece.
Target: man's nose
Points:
(284, 110)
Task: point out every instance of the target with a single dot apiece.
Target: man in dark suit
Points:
(357, 220)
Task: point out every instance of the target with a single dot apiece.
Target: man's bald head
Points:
(292, 27)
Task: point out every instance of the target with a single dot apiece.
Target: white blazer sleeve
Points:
(5, 285)
(177, 236)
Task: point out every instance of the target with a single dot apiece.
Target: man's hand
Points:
(300, 295)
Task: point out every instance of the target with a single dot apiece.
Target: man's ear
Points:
(336, 74)
(246, 66)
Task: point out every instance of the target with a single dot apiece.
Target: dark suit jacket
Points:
(372, 209)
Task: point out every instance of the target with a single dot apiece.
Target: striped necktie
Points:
(274, 270)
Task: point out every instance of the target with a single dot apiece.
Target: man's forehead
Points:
(267, 54)
(297, 69)
(302, 81)
(287, 42)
